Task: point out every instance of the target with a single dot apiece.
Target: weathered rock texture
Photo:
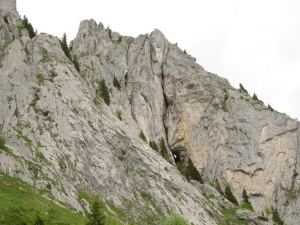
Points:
(59, 133)
(228, 135)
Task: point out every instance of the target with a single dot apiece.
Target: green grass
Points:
(19, 200)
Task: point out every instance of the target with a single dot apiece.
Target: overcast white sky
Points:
(253, 42)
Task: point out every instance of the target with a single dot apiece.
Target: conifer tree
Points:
(142, 136)
(64, 46)
(243, 89)
(116, 83)
(276, 217)
(245, 196)
(96, 217)
(218, 188)
(153, 145)
(270, 108)
(163, 148)
(76, 64)
(103, 92)
(29, 27)
(255, 97)
(192, 173)
(230, 196)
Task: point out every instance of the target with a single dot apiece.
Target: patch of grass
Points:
(21, 26)
(19, 201)
(5, 44)
(119, 114)
(207, 197)
(53, 73)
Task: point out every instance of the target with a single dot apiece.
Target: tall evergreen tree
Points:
(64, 46)
(103, 92)
(230, 196)
(116, 83)
(96, 217)
(163, 148)
(243, 89)
(29, 27)
(192, 173)
(76, 64)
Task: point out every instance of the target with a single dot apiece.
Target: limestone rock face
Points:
(166, 94)
(58, 135)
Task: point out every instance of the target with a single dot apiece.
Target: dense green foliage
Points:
(5, 19)
(230, 196)
(96, 217)
(243, 89)
(38, 219)
(2, 141)
(153, 145)
(116, 83)
(175, 219)
(119, 114)
(29, 27)
(192, 173)
(103, 92)
(276, 217)
(254, 97)
(142, 136)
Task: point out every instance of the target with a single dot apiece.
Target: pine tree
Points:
(76, 64)
(192, 173)
(96, 217)
(38, 220)
(163, 148)
(276, 217)
(255, 97)
(142, 136)
(103, 92)
(29, 27)
(64, 46)
(245, 196)
(218, 188)
(270, 108)
(243, 89)
(153, 145)
(116, 83)
(230, 196)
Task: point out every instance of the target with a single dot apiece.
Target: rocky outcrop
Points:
(166, 94)
(61, 139)
(61, 133)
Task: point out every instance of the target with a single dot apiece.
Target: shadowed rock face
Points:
(59, 132)
(228, 135)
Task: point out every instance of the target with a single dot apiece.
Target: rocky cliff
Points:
(59, 131)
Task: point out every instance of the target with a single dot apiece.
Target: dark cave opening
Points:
(176, 157)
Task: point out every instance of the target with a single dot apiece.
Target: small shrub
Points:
(242, 89)
(142, 136)
(218, 187)
(2, 141)
(96, 217)
(29, 27)
(175, 219)
(21, 26)
(116, 83)
(153, 145)
(192, 173)
(268, 210)
(5, 19)
(270, 108)
(245, 196)
(103, 92)
(53, 73)
(247, 206)
(163, 148)
(119, 114)
(180, 169)
(230, 196)
(38, 219)
(75, 63)
(276, 217)
(255, 97)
